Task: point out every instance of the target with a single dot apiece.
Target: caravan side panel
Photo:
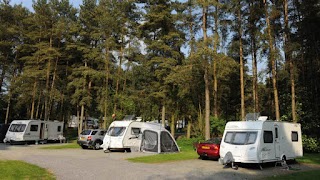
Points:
(55, 130)
(290, 142)
(32, 132)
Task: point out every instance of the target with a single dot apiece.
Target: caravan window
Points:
(252, 138)
(34, 128)
(150, 141)
(240, 138)
(59, 128)
(294, 136)
(267, 137)
(17, 127)
(116, 131)
(228, 137)
(135, 131)
(167, 143)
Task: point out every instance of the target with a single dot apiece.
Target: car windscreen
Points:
(85, 132)
(17, 127)
(116, 131)
(241, 138)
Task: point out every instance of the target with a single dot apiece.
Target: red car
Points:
(209, 149)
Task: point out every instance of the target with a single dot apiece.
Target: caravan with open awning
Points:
(132, 135)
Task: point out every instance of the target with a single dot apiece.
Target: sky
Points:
(28, 3)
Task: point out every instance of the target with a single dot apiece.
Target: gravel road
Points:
(78, 164)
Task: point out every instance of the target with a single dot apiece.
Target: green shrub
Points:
(310, 145)
(217, 126)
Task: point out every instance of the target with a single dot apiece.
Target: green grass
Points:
(310, 158)
(72, 145)
(21, 170)
(186, 152)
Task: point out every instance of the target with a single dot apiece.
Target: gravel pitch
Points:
(78, 164)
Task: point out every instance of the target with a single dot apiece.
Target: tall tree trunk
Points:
(200, 122)
(53, 82)
(3, 72)
(206, 74)
(119, 72)
(273, 63)
(241, 63)
(191, 31)
(288, 57)
(8, 108)
(255, 93)
(81, 120)
(106, 86)
(163, 116)
(9, 98)
(33, 99)
(173, 127)
(254, 64)
(253, 48)
(46, 101)
(38, 106)
(189, 127)
(215, 59)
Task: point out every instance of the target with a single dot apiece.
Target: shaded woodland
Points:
(204, 61)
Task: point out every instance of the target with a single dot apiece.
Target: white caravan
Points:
(260, 141)
(34, 130)
(138, 136)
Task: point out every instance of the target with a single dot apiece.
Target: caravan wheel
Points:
(96, 145)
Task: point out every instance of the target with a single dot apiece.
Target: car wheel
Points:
(84, 147)
(204, 157)
(96, 145)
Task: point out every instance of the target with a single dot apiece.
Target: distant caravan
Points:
(34, 131)
(260, 141)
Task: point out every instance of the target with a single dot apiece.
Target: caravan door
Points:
(44, 131)
(32, 132)
(277, 141)
(150, 141)
(133, 139)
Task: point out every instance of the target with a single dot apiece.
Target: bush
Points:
(217, 126)
(310, 145)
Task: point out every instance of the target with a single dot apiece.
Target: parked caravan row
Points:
(260, 141)
(34, 131)
(139, 136)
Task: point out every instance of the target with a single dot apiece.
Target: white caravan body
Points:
(260, 141)
(138, 136)
(34, 130)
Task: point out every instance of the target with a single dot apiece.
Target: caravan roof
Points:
(250, 125)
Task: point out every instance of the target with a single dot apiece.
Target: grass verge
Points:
(186, 153)
(310, 158)
(72, 145)
(22, 170)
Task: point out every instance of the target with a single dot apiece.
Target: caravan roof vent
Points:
(252, 116)
(263, 118)
(131, 117)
